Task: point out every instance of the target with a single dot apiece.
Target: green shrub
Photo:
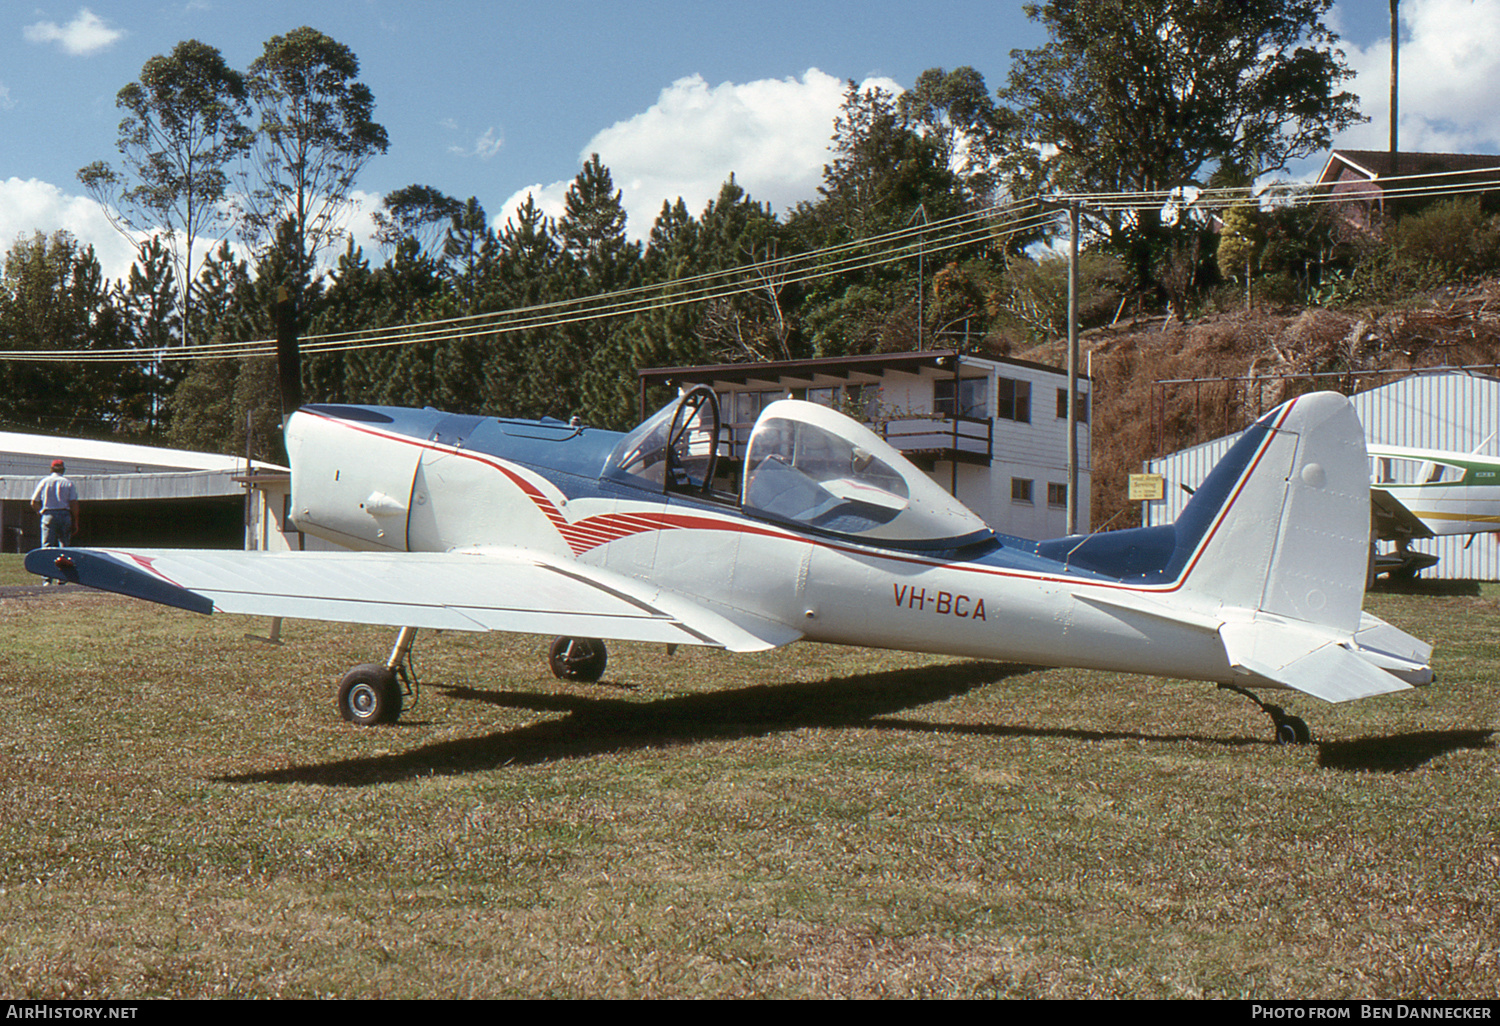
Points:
(1454, 238)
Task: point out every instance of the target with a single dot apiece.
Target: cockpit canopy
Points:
(812, 467)
(806, 466)
(673, 450)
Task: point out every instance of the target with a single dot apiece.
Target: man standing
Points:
(57, 501)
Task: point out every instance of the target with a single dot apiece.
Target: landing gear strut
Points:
(1290, 730)
(579, 659)
(371, 693)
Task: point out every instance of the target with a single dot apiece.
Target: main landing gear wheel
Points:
(370, 694)
(579, 659)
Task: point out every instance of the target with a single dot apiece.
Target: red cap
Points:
(57, 464)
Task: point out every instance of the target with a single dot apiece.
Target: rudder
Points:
(1289, 534)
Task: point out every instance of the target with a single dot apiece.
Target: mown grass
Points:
(183, 814)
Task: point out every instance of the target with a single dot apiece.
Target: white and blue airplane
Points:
(824, 533)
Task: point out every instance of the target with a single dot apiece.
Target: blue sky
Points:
(494, 99)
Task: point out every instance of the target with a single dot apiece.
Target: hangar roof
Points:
(118, 470)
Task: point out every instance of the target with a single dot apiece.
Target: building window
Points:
(747, 405)
(1020, 489)
(971, 398)
(1057, 494)
(1062, 406)
(1014, 400)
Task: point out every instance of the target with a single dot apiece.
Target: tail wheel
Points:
(370, 694)
(1292, 730)
(579, 659)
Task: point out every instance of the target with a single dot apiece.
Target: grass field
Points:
(182, 814)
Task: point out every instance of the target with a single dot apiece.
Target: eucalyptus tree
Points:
(416, 211)
(182, 133)
(1150, 95)
(314, 135)
(955, 110)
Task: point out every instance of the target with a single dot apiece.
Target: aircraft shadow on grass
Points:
(596, 726)
(1399, 753)
(600, 726)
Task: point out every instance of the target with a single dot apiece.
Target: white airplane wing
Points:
(477, 591)
(1392, 519)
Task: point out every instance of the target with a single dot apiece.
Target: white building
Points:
(1456, 411)
(991, 431)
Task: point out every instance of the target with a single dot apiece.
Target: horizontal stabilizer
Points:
(473, 591)
(1393, 650)
(1307, 658)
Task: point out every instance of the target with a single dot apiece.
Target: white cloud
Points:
(6, 103)
(84, 35)
(29, 205)
(485, 147)
(1448, 69)
(772, 135)
(488, 144)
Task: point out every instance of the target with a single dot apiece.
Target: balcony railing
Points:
(961, 439)
(964, 439)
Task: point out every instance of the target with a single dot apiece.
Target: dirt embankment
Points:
(1227, 368)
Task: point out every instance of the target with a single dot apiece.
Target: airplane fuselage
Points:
(1452, 493)
(421, 480)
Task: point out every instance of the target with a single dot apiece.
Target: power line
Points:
(956, 232)
(939, 236)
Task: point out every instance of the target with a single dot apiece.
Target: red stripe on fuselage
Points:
(591, 532)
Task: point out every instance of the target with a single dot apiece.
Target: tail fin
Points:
(1271, 553)
(1282, 524)
(1278, 537)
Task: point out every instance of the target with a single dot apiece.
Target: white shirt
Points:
(56, 493)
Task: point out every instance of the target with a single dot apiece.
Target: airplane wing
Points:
(468, 591)
(1393, 519)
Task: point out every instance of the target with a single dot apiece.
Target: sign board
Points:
(1146, 487)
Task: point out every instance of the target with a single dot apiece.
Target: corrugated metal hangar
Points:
(1455, 411)
(133, 494)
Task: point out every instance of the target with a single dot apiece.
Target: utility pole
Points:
(1074, 208)
(1075, 215)
(921, 212)
(1395, 66)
